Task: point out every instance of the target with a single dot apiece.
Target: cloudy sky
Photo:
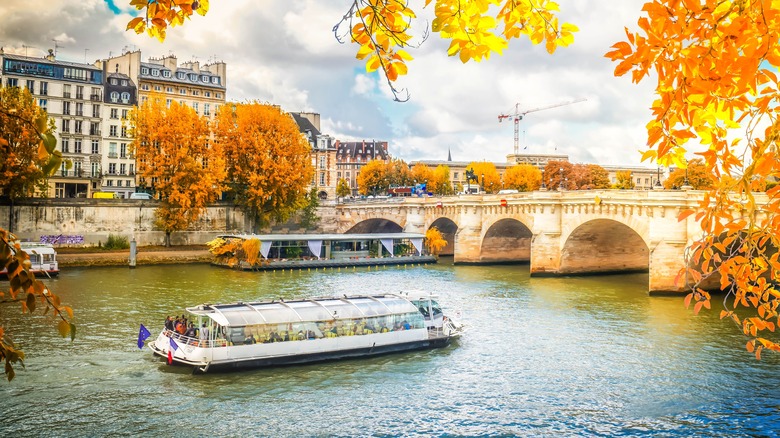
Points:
(284, 52)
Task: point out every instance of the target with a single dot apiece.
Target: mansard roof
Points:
(364, 149)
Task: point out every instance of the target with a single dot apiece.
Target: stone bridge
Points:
(558, 233)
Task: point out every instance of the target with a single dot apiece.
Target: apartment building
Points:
(351, 156)
(72, 95)
(323, 154)
(118, 163)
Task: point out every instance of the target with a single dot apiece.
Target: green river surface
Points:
(589, 356)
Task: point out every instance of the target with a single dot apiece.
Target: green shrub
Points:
(116, 242)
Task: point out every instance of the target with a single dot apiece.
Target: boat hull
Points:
(306, 358)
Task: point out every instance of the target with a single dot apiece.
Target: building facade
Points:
(323, 154)
(72, 95)
(118, 162)
(351, 156)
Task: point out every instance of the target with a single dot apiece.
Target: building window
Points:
(95, 170)
(77, 168)
(182, 91)
(95, 147)
(94, 128)
(124, 131)
(79, 108)
(207, 93)
(59, 188)
(44, 91)
(195, 106)
(79, 92)
(218, 95)
(65, 146)
(43, 103)
(145, 87)
(144, 71)
(77, 127)
(168, 102)
(65, 126)
(122, 167)
(206, 111)
(169, 89)
(155, 72)
(322, 162)
(111, 168)
(127, 182)
(77, 146)
(125, 97)
(166, 73)
(31, 86)
(131, 168)
(124, 82)
(123, 150)
(95, 110)
(195, 93)
(12, 82)
(114, 96)
(66, 108)
(110, 182)
(124, 114)
(95, 95)
(114, 113)
(322, 178)
(157, 88)
(112, 81)
(112, 150)
(66, 91)
(112, 131)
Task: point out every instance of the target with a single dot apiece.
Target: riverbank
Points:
(146, 255)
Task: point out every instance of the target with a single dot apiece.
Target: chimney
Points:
(50, 56)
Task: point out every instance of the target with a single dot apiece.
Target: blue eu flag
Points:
(142, 335)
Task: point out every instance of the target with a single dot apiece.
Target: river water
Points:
(592, 356)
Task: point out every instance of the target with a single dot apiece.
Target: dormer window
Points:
(124, 82)
(215, 80)
(180, 75)
(155, 72)
(125, 97)
(112, 81)
(144, 71)
(114, 96)
(205, 79)
(166, 73)
(193, 77)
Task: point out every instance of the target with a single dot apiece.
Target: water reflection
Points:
(573, 356)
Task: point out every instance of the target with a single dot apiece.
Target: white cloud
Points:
(284, 52)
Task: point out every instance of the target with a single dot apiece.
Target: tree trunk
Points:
(11, 217)
(167, 239)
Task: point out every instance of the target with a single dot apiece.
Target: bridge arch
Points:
(448, 228)
(507, 240)
(603, 246)
(375, 225)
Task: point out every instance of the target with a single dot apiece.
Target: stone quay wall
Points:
(88, 222)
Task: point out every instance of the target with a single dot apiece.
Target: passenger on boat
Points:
(301, 335)
(204, 334)
(249, 340)
(191, 331)
(169, 323)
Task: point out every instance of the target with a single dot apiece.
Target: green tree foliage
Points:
(342, 188)
(309, 218)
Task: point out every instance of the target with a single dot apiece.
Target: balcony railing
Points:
(79, 113)
(112, 155)
(95, 97)
(79, 96)
(66, 94)
(94, 132)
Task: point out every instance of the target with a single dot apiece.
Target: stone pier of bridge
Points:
(557, 233)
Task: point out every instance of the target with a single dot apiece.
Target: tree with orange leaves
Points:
(523, 177)
(715, 65)
(175, 159)
(696, 174)
(267, 160)
(487, 176)
(373, 177)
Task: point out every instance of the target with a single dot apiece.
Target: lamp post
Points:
(686, 185)
(482, 184)
(560, 184)
(658, 179)
(543, 187)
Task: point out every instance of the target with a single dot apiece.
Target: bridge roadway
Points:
(558, 233)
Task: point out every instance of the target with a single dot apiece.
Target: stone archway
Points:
(375, 226)
(447, 227)
(322, 195)
(506, 241)
(604, 246)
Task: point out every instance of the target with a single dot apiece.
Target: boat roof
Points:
(328, 237)
(37, 248)
(304, 310)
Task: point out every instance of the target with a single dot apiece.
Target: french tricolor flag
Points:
(174, 347)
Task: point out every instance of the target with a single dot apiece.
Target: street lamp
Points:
(483, 183)
(543, 188)
(658, 179)
(560, 184)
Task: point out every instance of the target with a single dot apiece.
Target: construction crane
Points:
(518, 115)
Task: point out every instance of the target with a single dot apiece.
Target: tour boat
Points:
(43, 259)
(282, 332)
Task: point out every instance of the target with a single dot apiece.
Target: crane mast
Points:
(518, 115)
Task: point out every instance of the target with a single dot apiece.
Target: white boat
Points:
(43, 259)
(261, 334)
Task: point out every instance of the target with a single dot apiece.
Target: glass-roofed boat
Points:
(250, 335)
